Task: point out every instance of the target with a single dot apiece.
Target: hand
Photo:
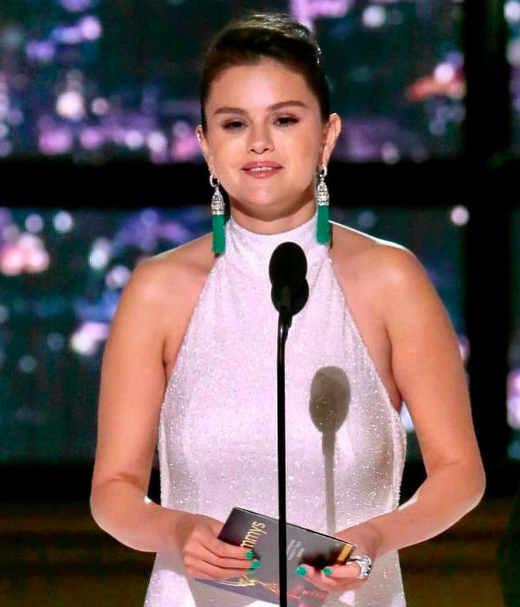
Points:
(203, 554)
(341, 578)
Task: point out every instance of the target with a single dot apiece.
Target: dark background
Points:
(431, 155)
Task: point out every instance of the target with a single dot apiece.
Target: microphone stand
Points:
(289, 293)
(284, 322)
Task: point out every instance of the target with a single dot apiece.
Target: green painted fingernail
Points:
(250, 555)
(327, 571)
(301, 571)
(256, 564)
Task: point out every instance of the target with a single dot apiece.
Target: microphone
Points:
(289, 292)
(288, 271)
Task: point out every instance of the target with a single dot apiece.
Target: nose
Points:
(260, 139)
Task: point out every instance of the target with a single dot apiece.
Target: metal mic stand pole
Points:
(284, 322)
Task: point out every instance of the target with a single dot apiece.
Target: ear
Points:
(331, 133)
(204, 147)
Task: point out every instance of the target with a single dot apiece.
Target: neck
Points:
(251, 251)
(275, 224)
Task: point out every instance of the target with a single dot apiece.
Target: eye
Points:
(233, 125)
(285, 121)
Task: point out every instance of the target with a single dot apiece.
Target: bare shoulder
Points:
(362, 258)
(158, 301)
(385, 287)
(172, 275)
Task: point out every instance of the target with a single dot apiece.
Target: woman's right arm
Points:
(133, 381)
(132, 387)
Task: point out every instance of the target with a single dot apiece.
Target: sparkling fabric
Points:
(218, 428)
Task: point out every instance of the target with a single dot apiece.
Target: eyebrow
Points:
(272, 108)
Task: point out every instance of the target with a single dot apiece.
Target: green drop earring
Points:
(322, 200)
(217, 217)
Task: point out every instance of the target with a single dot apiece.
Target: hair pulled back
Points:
(247, 40)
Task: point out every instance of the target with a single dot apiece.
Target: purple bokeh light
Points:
(42, 51)
(77, 6)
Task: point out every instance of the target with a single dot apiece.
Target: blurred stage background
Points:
(100, 168)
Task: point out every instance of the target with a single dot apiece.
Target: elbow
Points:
(481, 484)
(476, 486)
(465, 481)
(101, 504)
(95, 506)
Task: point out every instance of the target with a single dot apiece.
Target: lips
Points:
(264, 168)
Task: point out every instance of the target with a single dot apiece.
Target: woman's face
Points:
(265, 138)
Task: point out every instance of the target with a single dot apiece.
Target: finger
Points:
(207, 536)
(343, 576)
(207, 571)
(224, 563)
(226, 550)
(204, 554)
(317, 579)
(350, 570)
(328, 582)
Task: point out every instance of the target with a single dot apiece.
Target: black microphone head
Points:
(293, 300)
(288, 266)
(287, 271)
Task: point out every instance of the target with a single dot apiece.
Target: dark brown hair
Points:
(271, 35)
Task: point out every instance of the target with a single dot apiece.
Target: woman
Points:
(192, 350)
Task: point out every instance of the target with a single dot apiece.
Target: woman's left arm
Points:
(428, 371)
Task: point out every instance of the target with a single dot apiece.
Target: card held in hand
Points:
(259, 533)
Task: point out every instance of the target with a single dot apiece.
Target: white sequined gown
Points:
(218, 428)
